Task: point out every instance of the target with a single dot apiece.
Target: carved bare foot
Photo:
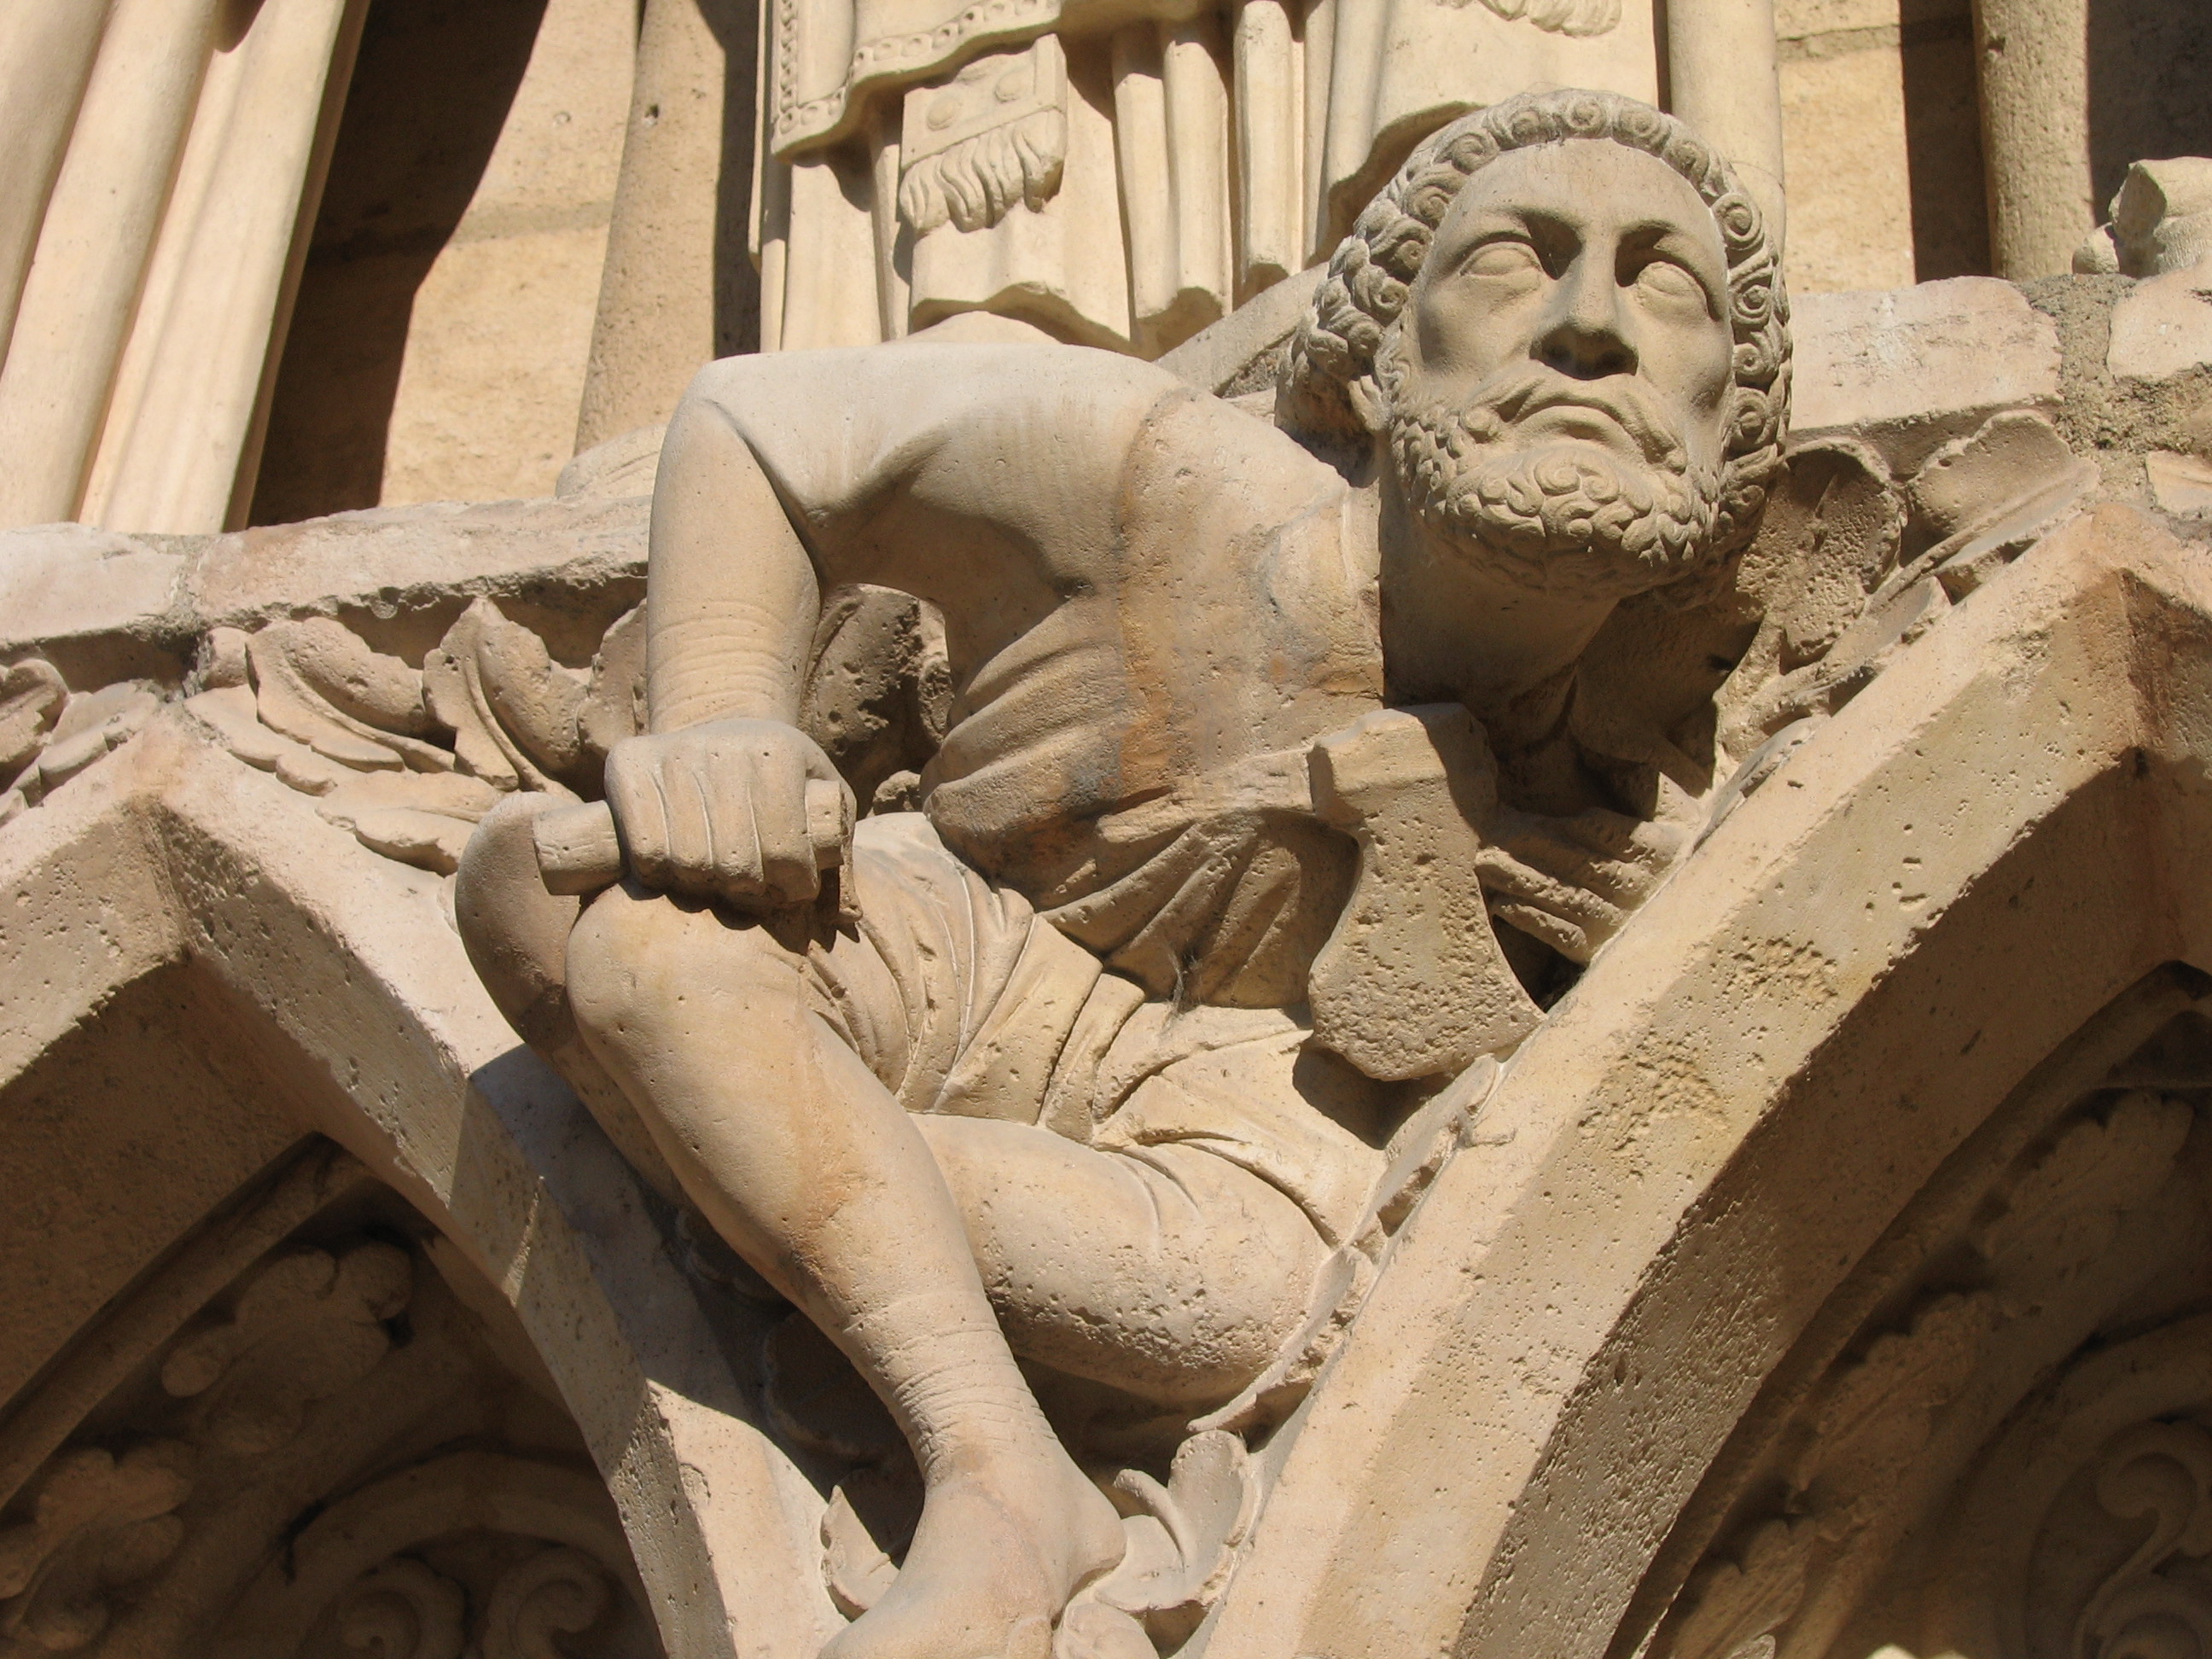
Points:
(997, 1556)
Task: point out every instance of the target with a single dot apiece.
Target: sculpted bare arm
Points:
(985, 480)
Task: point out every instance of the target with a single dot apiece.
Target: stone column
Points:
(1721, 73)
(2035, 131)
(46, 55)
(1268, 99)
(82, 292)
(181, 427)
(678, 289)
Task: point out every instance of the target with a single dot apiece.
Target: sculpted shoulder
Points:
(1069, 406)
(1039, 470)
(917, 378)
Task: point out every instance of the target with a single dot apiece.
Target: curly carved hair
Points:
(1368, 278)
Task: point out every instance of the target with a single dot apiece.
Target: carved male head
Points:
(1563, 319)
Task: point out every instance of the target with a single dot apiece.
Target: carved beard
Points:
(1558, 515)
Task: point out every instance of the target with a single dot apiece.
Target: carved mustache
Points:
(1515, 394)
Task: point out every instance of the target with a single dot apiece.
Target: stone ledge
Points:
(1908, 370)
(104, 606)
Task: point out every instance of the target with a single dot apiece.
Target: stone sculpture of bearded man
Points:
(1091, 1061)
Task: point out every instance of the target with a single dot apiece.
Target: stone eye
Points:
(1663, 281)
(1504, 258)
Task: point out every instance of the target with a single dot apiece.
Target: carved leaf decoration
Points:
(615, 709)
(2062, 1212)
(854, 1569)
(513, 710)
(306, 1326)
(2162, 1471)
(2152, 1618)
(312, 703)
(97, 1522)
(1091, 1630)
(1204, 1512)
(1873, 1419)
(1829, 537)
(1986, 498)
(1892, 624)
(423, 818)
(1905, 1374)
(316, 682)
(561, 1590)
(91, 724)
(400, 1610)
(1734, 1603)
(30, 698)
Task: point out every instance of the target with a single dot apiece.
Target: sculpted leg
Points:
(1177, 1279)
(814, 1173)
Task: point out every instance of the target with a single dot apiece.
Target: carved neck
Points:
(1454, 628)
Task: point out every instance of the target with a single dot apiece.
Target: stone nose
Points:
(1585, 334)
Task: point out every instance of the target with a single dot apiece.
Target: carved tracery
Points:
(1978, 1469)
(325, 1457)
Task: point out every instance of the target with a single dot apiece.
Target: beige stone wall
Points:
(494, 367)
(1882, 148)
(443, 337)
(439, 345)
(444, 328)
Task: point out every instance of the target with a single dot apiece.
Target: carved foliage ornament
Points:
(2063, 1231)
(48, 735)
(173, 1521)
(2153, 1606)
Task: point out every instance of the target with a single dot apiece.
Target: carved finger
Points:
(1516, 878)
(1605, 833)
(728, 855)
(640, 815)
(1566, 939)
(1584, 916)
(1566, 865)
(693, 867)
(782, 849)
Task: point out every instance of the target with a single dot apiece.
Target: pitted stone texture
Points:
(1910, 369)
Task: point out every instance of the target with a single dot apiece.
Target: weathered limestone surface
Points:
(1511, 958)
(326, 990)
(1914, 368)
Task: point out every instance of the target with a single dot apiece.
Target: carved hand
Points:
(1572, 882)
(720, 811)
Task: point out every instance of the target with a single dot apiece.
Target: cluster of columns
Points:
(165, 159)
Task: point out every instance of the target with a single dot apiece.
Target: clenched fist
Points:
(1573, 882)
(719, 811)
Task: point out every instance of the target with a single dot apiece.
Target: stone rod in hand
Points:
(579, 852)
